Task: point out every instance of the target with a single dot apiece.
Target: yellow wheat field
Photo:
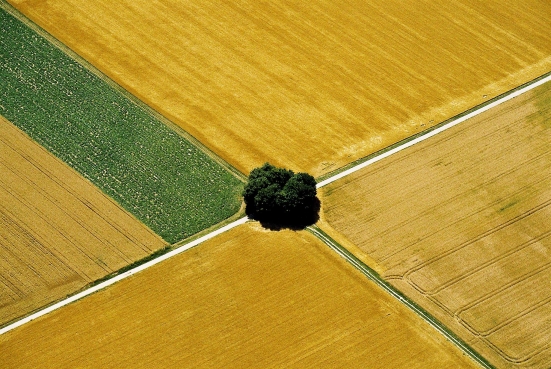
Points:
(245, 299)
(461, 223)
(57, 231)
(311, 85)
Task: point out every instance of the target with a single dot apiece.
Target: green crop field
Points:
(152, 171)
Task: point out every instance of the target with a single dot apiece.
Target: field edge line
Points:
(10, 9)
(120, 276)
(432, 131)
(376, 278)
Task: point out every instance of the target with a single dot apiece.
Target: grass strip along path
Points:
(28, 84)
(121, 276)
(153, 172)
(375, 277)
(368, 272)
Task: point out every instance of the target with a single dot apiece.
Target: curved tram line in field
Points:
(316, 231)
(372, 275)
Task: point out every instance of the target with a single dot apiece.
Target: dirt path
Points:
(428, 134)
(183, 248)
(121, 276)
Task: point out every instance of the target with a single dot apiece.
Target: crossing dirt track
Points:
(461, 224)
(260, 81)
(57, 231)
(245, 299)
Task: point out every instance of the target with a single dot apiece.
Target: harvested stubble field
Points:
(246, 299)
(310, 85)
(157, 175)
(461, 224)
(58, 232)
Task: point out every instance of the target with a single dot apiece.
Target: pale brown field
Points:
(246, 299)
(311, 85)
(57, 231)
(462, 224)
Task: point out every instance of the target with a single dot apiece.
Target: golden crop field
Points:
(461, 224)
(57, 231)
(310, 85)
(248, 298)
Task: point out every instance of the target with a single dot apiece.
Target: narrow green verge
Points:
(375, 277)
(428, 130)
(153, 172)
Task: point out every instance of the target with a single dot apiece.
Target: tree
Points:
(278, 196)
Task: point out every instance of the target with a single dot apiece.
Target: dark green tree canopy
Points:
(279, 197)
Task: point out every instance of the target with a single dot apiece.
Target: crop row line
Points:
(344, 253)
(121, 89)
(316, 231)
(374, 276)
(422, 136)
(122, 276)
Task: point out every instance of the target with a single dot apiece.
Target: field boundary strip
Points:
(415, 139)
(122, 276)
(361, 266)
(142, 105)
(374, 276)
(159, 176)
(339, 249)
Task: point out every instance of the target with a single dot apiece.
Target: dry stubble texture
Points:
(461, 223)
(246, 299)
(310, 85)
(57, 231)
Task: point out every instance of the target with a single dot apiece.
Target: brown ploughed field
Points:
(310, 85)
(245, 299)
(57, 231)
(462, 224)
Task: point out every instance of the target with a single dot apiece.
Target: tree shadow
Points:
(296, 221)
